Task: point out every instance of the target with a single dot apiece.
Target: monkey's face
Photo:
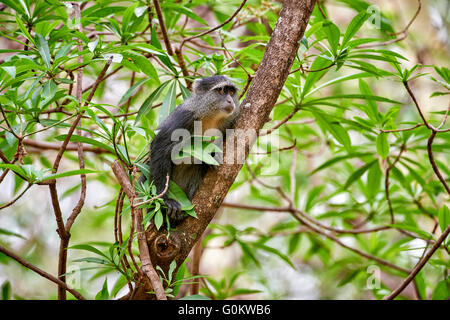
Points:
(216, 97)
(226, 99)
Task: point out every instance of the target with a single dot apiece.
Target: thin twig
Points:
(279, 124)
(118, 235)
(386, 182)
(434, 131)
(163, 27)
(215, 28)
(293, 180)
(433, 162)
(8, 124)
(42, 273)
(405, 129)
(444, 120)
(75, 123)
(16, 198)
(419, 265)
(308, 70)
(413, 97)
(52, 146)
(308, 223)
(403, 34)
(291, 147)
(321, 9)
(3, 157)
(184, 70)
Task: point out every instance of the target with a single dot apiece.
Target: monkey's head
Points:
(217, 95)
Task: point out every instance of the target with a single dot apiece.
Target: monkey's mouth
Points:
(229, 108)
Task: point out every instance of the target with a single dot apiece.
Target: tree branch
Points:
(256, 107)
(146, 262)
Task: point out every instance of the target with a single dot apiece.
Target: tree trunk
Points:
(255, 110)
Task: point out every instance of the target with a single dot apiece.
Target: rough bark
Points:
(256, 108)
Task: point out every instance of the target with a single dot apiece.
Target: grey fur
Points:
(204, 102)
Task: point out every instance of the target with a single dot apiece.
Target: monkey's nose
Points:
(229, 108)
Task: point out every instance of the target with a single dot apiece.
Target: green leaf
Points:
(444, 73)
(147, 104)
(172, 267)
(372, 110)
(76, 138)
(442, 292)
(128, 15)
(341, 79)
(49, 90)
(241, 291)
(176, 193)
(184, 10)
(14, 168)
(350, 96)
(312, 195)
(120, 283)
(11, 70)
(103, 294)
(24, 30)
(332, 34)
(42, 47)
(444, 217)
(184, 91)
(159, 219)
(156, 49)
(102, 12)
(64, 51)
(382, 145)
(88, 247)
(419, 232)
(10, 233)
(373, 181)
(130, 92)
(354, 26)
(334, 160)
(314, 28)
(357, 174)
(336, 130)
(199, 150)
(69, 173)
(312, 77)
(6, 290)
(365, 57)
(349, 277)
(421, 285)
(145, 65)
(274, 251)
(249, 253)
(169, 103)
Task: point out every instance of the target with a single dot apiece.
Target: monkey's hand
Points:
(176, 215)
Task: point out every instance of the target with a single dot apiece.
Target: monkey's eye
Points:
(231, 92)
(221, 91)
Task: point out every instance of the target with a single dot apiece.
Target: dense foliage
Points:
(344, 193)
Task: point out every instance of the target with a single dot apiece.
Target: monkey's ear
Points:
(197, 85)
